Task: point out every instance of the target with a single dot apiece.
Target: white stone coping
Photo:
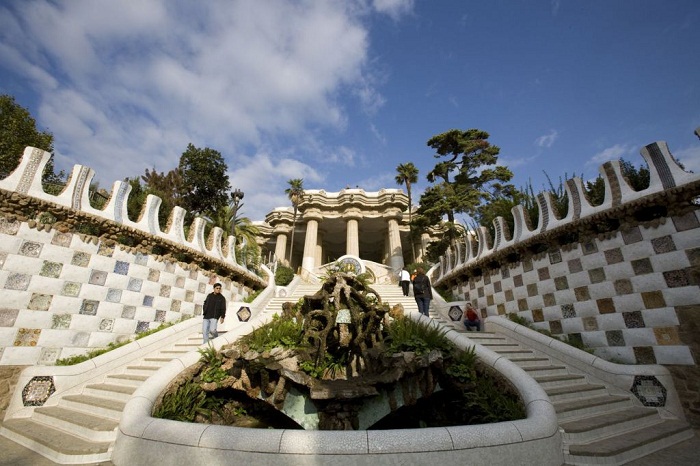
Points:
(71, 379)
(616, 376)
(142, 439)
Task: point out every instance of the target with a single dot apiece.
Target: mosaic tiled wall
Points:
(619, 296)
(60, 295)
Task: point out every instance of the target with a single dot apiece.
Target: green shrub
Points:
(186, 403)
(284, 275)
(285, 333)
(409, 335)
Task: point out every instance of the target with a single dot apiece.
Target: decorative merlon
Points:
(27, 179)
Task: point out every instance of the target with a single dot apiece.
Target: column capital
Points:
(282, 229)
(393, 214)
(352, 213)
(312, 214)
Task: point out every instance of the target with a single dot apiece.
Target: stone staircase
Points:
(391, 294)
(81, 428)
(600, 425)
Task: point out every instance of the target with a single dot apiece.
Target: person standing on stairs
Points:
(404, 281)
(213, 310)
(422, 291)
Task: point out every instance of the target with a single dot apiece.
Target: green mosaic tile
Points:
(561, 283)
(61, 321)
(71, 289)
(51, 269)
(642, 266)
(81, 259)
(582, 293)
(597, 275)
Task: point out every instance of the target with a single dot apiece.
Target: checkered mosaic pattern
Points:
(618, 296)
(62, 296)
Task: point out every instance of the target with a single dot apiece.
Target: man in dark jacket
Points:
(213, 310)
(422, 291)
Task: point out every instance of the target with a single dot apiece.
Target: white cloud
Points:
(547, 140)
(611, 153)
(394, 8)
(689, 157)
(136, 82)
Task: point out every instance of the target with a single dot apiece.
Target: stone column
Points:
(319, 248)
(308, 263)
(395, 250)
(352, 243)
(281, 247)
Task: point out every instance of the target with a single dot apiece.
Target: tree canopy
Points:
(205, 184)
(17, 131)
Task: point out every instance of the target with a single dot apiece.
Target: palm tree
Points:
(295, 193)
(233, 225)
(408, 174)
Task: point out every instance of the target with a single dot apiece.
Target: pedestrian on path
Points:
(405, 281)
(422, 291)
(213, 310)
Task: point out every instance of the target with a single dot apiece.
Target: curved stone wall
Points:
(142, 439)
(65, 292)
(622, 277)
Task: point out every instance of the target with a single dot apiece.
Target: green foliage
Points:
(463, 365)
(77, 359)
(205, 184)
(17, 131)
(285, 333)
(94, 353)
(188, 401)
(518, 320)
(330, 366)
(491, 402)
(420, 338)
(250, 298)
(212, 371)
(88, 228)
(477, 177)
(446, 294)
(283, 275)
(167, 186)
(295, 193)
(576, 343)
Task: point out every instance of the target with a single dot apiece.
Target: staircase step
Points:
(106, 390)
(106, 407)
(569, 392)
(630, 445)
(529, 362)
(55, 444)
(587, 429)
(571, 409)
(87, 426)
(535, 371)
(132, 380)
(559, 380)
(160, 360)
(145, 370)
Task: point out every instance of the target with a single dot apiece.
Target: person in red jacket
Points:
(471, 318)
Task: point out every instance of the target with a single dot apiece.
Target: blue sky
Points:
(341, 92)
